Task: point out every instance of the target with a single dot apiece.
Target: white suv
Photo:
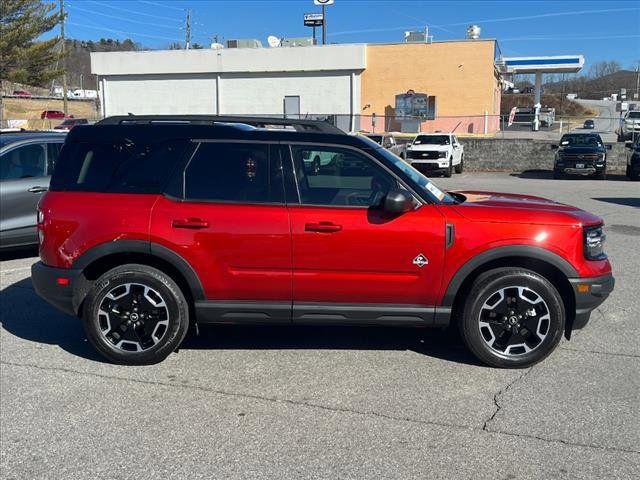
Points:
(436, 151)
(630, 125)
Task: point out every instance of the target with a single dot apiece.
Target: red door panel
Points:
(239, 252)
(359, 255)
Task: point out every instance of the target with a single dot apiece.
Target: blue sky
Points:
(602, 30)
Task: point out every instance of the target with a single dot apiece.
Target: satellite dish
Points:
(273, 41)
(217, 46)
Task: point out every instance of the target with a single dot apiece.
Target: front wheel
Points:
(449, 170)
(601, 175)
(460, 166)
(512, 318)
(135, 315)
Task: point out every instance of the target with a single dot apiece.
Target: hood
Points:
(581, 149)
(514, 208)
(429, 148)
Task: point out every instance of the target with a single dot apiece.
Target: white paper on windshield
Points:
(439, 194)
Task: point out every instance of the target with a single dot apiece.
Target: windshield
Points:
(581, 140)
(633, 115)
(425, 185)
(431, 140)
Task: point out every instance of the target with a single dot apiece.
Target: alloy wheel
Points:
(514, 321)
(133, 317)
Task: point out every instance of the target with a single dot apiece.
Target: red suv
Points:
(155, 223)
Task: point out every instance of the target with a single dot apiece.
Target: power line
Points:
(129, 34)
(161, 5)
(125, 19)
(173, 19)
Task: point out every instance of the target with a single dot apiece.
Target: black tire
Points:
(449, 171)
(557, 175)
(601, 176)
(160, 327)
(460, 167)
(547, 316)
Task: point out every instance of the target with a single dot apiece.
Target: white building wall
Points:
(157, 94)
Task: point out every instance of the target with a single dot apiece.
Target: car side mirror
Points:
(629, 145)
(554, 147)
(397, 201)
(608, 147)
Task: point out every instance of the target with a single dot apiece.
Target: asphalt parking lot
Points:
(331, 402)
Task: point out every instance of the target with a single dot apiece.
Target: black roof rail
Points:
(317, 126)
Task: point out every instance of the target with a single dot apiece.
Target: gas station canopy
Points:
(557, 64)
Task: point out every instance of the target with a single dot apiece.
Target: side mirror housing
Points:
(554, 147)
(397, 201)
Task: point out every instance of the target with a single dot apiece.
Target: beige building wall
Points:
(460, 74)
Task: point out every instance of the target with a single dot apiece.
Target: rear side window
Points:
(24, 162)
(234, 172)
(119, 167)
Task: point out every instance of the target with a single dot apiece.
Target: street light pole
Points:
(324, 24)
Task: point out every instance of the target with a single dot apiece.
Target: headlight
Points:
(442, 154)
(594, 238)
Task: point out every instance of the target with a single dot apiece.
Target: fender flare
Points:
(527, 251)
(148, 248)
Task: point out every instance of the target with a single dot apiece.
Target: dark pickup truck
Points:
(581, 154)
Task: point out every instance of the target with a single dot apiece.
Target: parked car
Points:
(589, 124)
(581, 154)
(389, 142)
(431, 152)
(69, 123)
(21, 93)
(630, 125)
(633, 160)
(53, 114)
(26, 162)
(156, 223)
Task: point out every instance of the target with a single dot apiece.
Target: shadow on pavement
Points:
(626, 201)
(17, 253)
(42, 323)
(548, 174)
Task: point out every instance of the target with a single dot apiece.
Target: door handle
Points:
(37, 189)
(194, 223)
(324, 227)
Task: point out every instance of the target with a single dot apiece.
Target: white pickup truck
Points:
(431, 152)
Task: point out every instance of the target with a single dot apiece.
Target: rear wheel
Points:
(512, 318)
(460, 166)
(135, 315)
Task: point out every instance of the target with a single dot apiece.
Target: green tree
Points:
(23, 58)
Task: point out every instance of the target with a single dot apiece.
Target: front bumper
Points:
(66, 297)
(589, 294)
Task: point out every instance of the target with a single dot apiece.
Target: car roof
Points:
(430, 134)
(153, 133)
(14, 137)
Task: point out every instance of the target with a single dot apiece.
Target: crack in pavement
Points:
(502, 391)
(298, 403)
(596, 352)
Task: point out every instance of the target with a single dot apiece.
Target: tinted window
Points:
(118, 167)
(234, 172)
(24, 162)
(581, 140)
(345, 177)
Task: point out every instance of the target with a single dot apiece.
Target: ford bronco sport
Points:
(156, 223)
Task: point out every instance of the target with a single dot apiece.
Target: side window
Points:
(24, 162)
(53, 152)
(234, 172)
(125, 166)
(345, 177)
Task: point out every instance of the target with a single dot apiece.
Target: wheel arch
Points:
(101, 258)
(544, 262)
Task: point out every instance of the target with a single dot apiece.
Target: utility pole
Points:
(638, 82)
(187, 39)
(324, 24)
(65, 107)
